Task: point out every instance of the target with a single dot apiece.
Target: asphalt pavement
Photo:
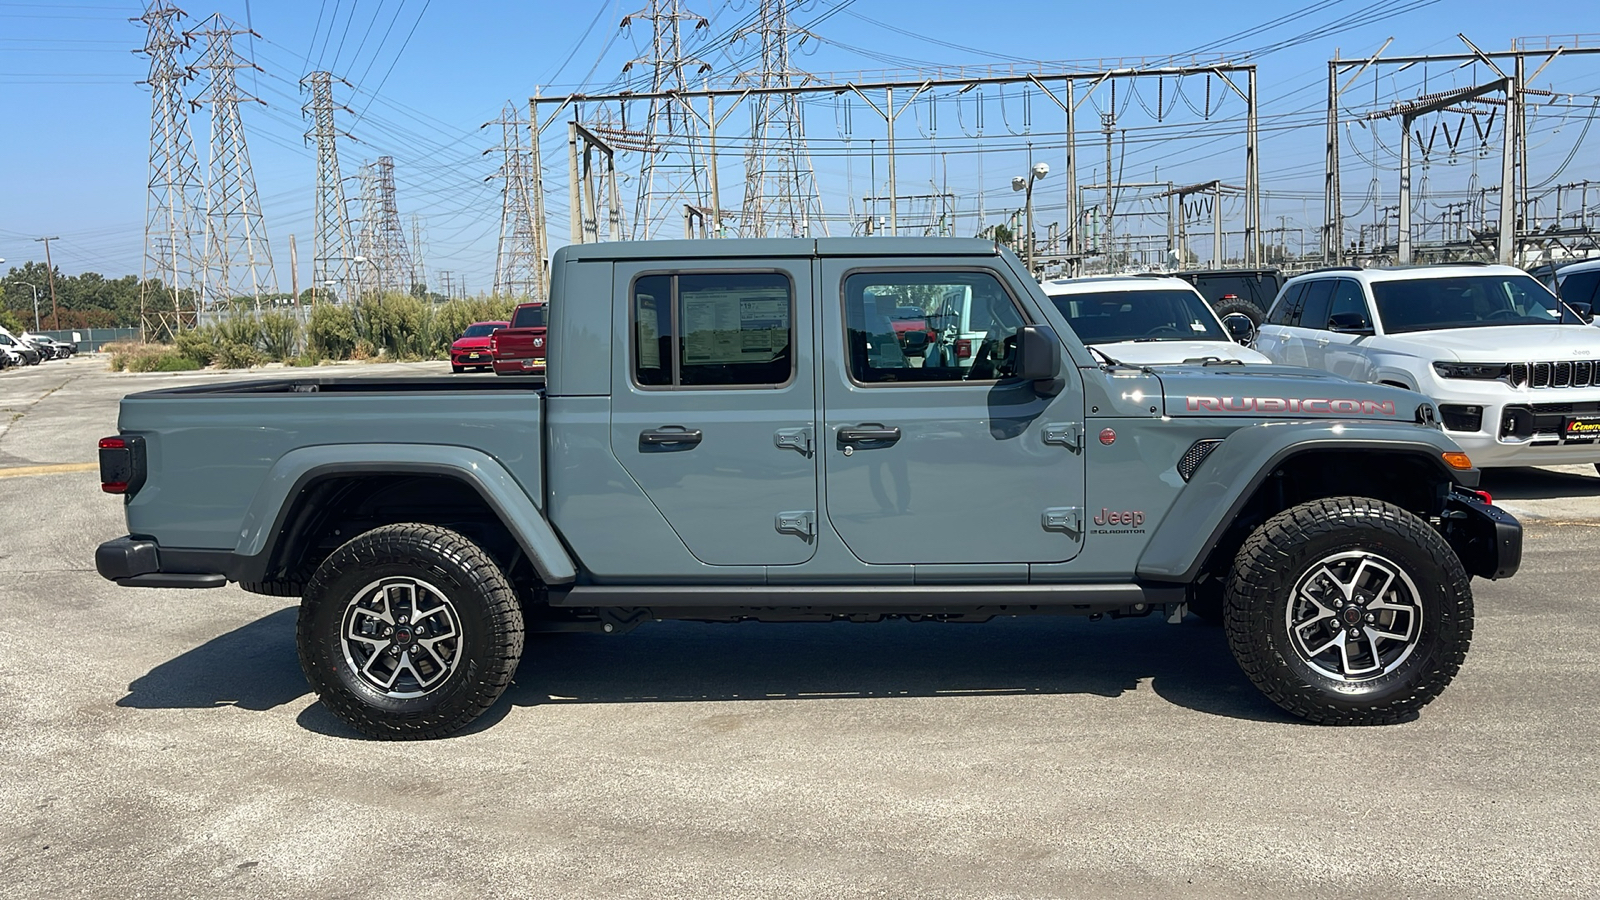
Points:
(162, 743)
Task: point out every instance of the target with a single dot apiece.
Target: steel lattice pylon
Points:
(672, 168)
(518, 260)
(174, 202)
(238, 259)
(334, 246)
(780, 185)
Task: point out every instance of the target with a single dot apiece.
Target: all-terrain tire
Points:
(450, 651)
(1400, 572)
(1240, 305)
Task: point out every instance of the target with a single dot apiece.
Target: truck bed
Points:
(213, 449)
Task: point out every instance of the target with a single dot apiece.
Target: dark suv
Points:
(1248, 291)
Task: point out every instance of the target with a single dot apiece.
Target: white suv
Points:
(1516, 373)
(1145, 320)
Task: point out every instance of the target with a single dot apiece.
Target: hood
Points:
(1504, 343)
(472, 343)
(1158, 353)
(1285, 392)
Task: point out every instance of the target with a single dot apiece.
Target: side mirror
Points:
(1585, 311)
(1349, 323)
(1039, 359)
(1240, 328)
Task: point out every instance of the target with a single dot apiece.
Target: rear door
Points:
(1345, 353)
(713, 410)
(935, 460)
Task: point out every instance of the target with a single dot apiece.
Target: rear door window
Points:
(1287, 310)
(1314, 309)
(722, 329)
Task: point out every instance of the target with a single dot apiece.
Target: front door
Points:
(940, 457)
(713, 409)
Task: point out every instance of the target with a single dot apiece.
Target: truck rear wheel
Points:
(1348, 611)
(409, 631)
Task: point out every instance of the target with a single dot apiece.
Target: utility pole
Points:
(173, 201)
(50, 268)
(236, 236)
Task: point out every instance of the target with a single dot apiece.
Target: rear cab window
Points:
(528, 317)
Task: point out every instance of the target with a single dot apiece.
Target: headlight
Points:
(1481, 371)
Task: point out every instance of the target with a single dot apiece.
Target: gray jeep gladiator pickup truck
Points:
(731, 430)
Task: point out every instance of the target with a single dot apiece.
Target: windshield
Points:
(482, 329)
(1106, 317)
(1466, 301)
(528, 317)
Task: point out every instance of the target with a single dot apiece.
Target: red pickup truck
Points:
(520, 349)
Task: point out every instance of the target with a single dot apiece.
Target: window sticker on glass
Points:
(649, 334)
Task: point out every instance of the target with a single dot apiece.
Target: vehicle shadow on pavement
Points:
(1187, 665)
(1538, 484)
(253, 667)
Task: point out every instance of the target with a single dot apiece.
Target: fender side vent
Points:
(1195, 455)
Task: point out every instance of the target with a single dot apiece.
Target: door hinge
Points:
(1064, 518)
(1067, 434)
(793, 439)
(802, 522)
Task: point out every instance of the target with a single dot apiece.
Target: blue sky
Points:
(429, 73)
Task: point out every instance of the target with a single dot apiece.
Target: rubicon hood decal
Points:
(1314, 405)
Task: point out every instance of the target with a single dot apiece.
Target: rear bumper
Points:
(140, 562)
(524, 366)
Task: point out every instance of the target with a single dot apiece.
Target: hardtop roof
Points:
(779, 247)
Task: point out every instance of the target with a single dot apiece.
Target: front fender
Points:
(297, 469)
(1232, 472)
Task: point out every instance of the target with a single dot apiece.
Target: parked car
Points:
(520, 349)
(49, 348)
(471, 349)
(1516, 372)
(29, 353)
(732, 433)
(1143, 320)
(1247, 291)
(910, 324)
(1578, 286)
(9, 357)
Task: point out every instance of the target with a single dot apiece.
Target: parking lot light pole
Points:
(35, 300)
(1021, 183)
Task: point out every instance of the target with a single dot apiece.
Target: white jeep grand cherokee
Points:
(1515, 373)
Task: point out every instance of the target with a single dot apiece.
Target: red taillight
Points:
(122, 464)
(963, 349)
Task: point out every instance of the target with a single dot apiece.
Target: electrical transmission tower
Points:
(674, 165)
(334, 246)
(780, 185)
(174, 202)
(419, 268)
(238, 260)
(382, 240)
(519, 262)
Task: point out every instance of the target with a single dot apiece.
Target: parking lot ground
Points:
(163, 743)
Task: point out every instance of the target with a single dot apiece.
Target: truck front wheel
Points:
(409, 631)
(1348, 611)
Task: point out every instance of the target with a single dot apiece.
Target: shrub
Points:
(279, 336)
(332, 333)
(240, 328)
(198, 344)
(238, 356)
